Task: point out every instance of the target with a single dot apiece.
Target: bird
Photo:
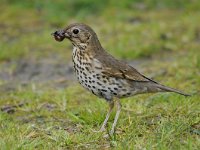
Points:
(102, 74)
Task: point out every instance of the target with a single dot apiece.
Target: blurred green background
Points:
(40, 98)
(132, 28)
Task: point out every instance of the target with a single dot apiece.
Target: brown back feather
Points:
(119, 69)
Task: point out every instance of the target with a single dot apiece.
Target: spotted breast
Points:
(89, 73)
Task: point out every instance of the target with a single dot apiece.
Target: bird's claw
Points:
(98, 131)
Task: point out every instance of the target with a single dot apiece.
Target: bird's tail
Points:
(168, 89)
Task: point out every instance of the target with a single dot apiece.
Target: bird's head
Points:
(79, 34)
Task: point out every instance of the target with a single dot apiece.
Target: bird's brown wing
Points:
(129, 73)
(115, 68)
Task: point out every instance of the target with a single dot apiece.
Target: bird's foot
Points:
(112, 132)
(109, 135)
(101, 130)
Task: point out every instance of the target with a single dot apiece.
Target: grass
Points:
(38, 116)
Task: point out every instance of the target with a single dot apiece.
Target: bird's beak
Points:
(60, 35)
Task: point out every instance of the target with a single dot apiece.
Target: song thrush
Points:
(101, 73)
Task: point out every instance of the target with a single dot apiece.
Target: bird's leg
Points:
(111, 105)
(116, 116)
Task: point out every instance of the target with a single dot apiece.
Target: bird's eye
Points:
(75, 31)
